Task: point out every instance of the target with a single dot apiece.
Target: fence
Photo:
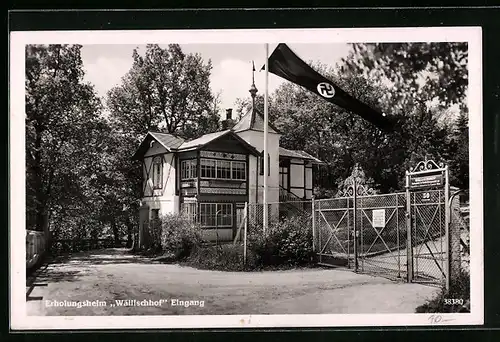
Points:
(35, 247)
(64, 246)
(278, 211)
(251, 228)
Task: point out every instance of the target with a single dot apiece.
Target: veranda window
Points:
(207, 168)
(216, 215)
(188, 169)
(222, 169)
(239, 170)
(190, 210)
(157, 173)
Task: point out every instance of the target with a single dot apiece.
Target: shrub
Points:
(459, 289)
(288, 242)
(226, 257)
(179, 236)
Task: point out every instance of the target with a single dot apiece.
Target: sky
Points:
(106, 64)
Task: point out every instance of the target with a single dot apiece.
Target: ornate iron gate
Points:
(399, 236)
(427, 188)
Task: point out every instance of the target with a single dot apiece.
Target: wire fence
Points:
(382, 239)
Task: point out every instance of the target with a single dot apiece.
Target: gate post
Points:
(355, 206)
(320, 248)
(313, 224)
(409, 248)
(245, 234)
(447, 227)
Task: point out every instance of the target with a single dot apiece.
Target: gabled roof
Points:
(176, 144)
(253, 120)
(169, 141)
(299, 154)
(202, 141)
(208, 138)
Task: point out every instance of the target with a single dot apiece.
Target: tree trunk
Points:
(130, 230)
(114, 227)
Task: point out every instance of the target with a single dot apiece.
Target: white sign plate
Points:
(378, 218)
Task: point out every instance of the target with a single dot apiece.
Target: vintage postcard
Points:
(246, 178)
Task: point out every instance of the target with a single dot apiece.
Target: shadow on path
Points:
(104, 256)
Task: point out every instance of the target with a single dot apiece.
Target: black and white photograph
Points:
(246, 178)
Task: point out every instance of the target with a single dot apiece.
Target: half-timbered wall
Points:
(160, 195)
(297, 177)
(301, 178)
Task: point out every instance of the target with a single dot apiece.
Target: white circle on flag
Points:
(326, 90)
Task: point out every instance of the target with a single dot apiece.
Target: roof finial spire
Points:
(253, 89)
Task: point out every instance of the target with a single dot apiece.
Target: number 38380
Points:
(453, 301)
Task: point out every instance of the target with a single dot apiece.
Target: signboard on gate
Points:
(426, 180)
(378, 218)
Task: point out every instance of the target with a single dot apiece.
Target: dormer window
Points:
(157, 173)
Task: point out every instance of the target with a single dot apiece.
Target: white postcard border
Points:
(18, 40)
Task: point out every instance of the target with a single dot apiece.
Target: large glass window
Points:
(189, 210)
(239, 170)
(157, 172)
(188, 169)
(216, 215)
(222, 169)
(207, 168)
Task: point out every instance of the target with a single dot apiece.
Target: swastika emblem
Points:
(326, 90)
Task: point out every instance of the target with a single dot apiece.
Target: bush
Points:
(459, 289)
(179, 236)
(227, 257)
(288, 242)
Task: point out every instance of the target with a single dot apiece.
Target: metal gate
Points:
(376, 222)
(401, 236)
(428, 236)
(333, 219)
(382, 235)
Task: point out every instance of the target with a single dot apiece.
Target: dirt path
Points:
(113, 275)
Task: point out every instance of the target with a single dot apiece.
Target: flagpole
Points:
(266, 159)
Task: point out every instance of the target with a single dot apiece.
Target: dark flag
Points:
(286, 64)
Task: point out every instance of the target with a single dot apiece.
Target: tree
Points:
(459, 166)
(430, 77)
(165, 89)
(62, 132)
(426, 71)
(341, 138)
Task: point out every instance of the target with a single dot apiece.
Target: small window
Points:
(155, 214)
(261, 160)
(157, 173)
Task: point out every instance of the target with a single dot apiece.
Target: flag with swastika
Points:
(284, 63)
